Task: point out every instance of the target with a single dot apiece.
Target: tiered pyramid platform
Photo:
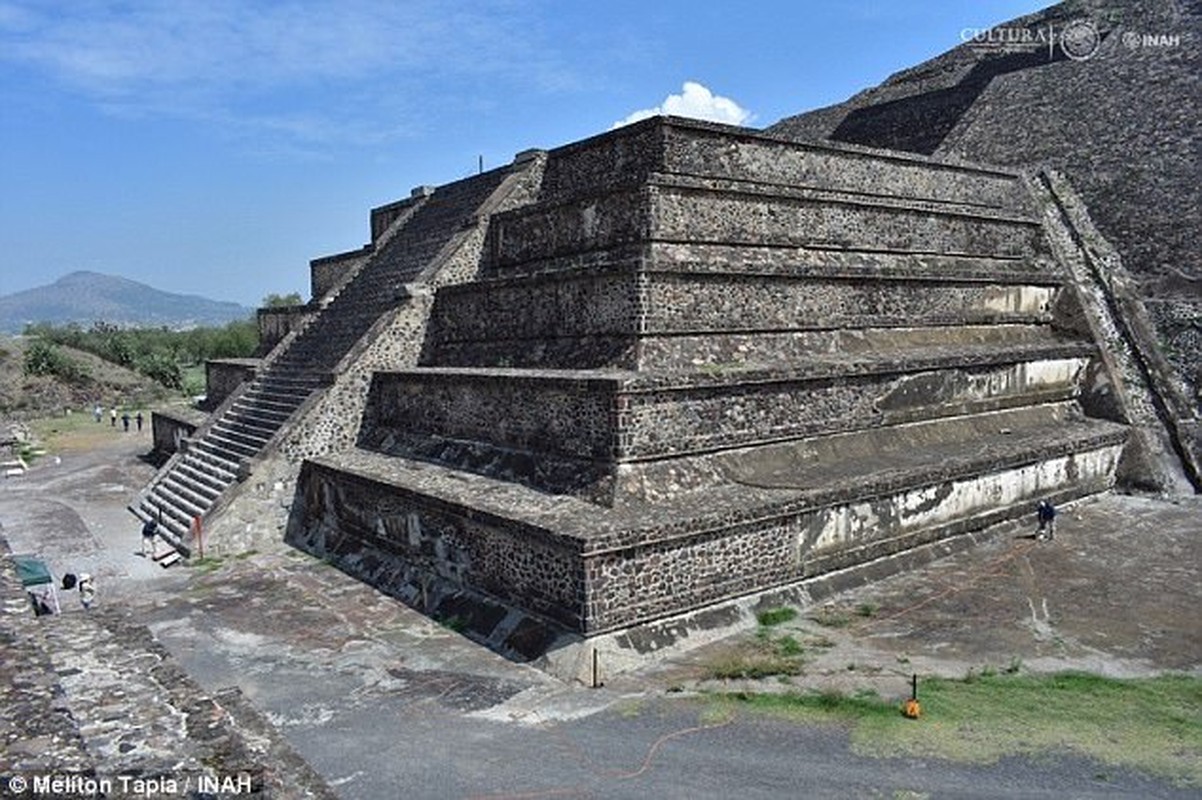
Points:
(704, 364)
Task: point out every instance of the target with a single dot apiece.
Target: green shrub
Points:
(776, 616)
(45, 358)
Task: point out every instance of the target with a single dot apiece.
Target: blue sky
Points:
(213, 147)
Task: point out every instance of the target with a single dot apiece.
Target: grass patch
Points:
(776, 616)
(753, 666)
(788, 646)
(830, 704)
(454, 623)
(867, 610)
(206, 565)
(29, 453)
(1153, 725)
(820, 642)
(764, 657)
(831, 617)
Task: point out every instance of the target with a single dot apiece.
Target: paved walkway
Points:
(382, 702)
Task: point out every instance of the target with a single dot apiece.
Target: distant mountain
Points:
(87, 297)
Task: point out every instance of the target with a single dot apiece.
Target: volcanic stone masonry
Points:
(669, 366)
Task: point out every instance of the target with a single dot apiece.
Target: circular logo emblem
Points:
(1080, 39)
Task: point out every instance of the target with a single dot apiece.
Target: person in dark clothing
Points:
(1047, 521)
(150, 541)
(125, 421)
(138, 418)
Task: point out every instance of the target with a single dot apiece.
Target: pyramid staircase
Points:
(197, 481)
(707, 363)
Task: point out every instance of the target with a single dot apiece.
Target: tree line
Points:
(160, 354)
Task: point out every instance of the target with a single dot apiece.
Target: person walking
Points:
(125, 421)
(98, 412)
(113, 417)
(139, 419)
(1047, 521)
(150, 540)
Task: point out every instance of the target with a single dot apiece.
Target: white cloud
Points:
(697, 102)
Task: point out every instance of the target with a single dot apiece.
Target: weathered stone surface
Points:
(224, 376)
(397, 522)
(92, 698)
(741, 363)
(1119, 124)
(673, 365)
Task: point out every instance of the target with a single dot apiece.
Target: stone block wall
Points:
(223, 376)
(601, 422)
(169, 427)
(541, 237)
(384, 216)
(636, 154)
(597, 570)
(276, 323)
(346, 516)
(589, 319)
(632, 584)
(330, 271)
(704, 363)
(719, 151)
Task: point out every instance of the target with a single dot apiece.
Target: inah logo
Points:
(1080, 39)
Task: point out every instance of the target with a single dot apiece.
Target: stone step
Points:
(252, 423)
(596, 319)
(265, 416)
(174, 525)
(267, 404)
(613, 416)
(208, 459)
(297, 377)
(198, 493)
(764, 527)
(274, 396)
(249, 437)
(291, 388)
(168, 492)
(378, 286)
(203, 474)
(222, 442)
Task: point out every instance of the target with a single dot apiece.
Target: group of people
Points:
(86, 584)
(139, 419)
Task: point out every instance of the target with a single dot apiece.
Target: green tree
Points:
(46, 358)
(159, 353)
(161, 367)
(274, 300)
